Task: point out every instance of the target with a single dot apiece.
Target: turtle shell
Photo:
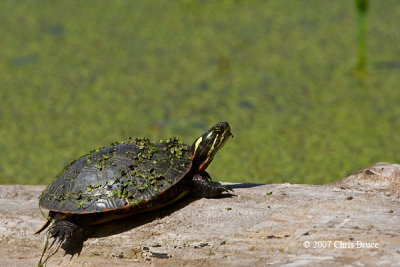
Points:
(127, 175)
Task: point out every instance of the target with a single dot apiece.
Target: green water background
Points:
(77, 75)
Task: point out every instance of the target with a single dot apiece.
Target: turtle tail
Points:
(45, 225)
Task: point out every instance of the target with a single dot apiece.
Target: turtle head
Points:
(206, 146)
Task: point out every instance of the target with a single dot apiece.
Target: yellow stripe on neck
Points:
(196, 145)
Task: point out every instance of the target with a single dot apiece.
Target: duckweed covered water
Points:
(76, 75)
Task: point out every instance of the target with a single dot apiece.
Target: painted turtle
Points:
(130, 177)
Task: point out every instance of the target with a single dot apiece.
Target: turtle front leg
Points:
(202, 186)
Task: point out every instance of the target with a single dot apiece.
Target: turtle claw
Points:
(60, 240)
(227, 190)
(224, 191)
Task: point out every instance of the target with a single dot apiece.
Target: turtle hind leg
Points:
(203, 187)
(63, 229)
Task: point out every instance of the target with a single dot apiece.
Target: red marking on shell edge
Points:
(127, 207)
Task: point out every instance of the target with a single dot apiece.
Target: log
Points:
(345, 223)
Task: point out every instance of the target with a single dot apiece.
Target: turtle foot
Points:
(207, 189)
(63, 230)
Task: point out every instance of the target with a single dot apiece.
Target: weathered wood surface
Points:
(262, 225)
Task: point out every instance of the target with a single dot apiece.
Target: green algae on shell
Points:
(122, 174)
